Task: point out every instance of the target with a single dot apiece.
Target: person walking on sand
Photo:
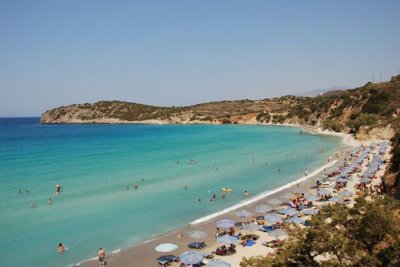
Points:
(102, 256)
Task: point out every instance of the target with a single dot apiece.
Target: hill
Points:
(369, 112)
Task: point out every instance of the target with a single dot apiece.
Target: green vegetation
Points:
(367, 234)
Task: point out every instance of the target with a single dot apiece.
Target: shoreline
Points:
(128, 256)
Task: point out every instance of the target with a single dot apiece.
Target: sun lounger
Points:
(197, 245)
(167, 259)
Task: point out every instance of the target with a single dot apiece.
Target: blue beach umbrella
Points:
(277, 233)
(365, 180)
(311, 198)
(295, 220)
(191, 257)
(225, 223)
(310, 212)
(336, 199)
(290, 211)
(341, 180)
(218, 263)
(273, 217)
(251, 227)
(227, 239)
(323, 192)
(346, 193)
(263, 208)
(166, 247)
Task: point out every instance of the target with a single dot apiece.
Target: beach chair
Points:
(197, 245)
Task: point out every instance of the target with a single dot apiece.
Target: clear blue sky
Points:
(183, 52)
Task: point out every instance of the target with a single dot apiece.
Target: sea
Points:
(176, 169)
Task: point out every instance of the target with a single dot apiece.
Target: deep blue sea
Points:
(94, 164)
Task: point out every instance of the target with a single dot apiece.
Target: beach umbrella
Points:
(310, 212)
(227, 239)
(251, 227)
(218, 263)
(341, 180)
(243, 213)
(197, 234)
(346, 193)
(335, 199)
(225, 223)
(286, 195)
(274, 201)
(299, 190)
(263, 208)
(365, 180)
(311, 198)
(273, 217)
(290, 211)
(191, 257)
(295, 220)
(323, 192)
(277, 233)
(166, 247)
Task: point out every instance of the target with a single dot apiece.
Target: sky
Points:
(183, 52)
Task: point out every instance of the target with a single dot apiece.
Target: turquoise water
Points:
(95, 163)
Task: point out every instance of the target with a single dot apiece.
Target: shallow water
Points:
(95, 163)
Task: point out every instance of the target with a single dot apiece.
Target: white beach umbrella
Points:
(166, 247)
(336, 199)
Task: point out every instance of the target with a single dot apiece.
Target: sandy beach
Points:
(144, 254)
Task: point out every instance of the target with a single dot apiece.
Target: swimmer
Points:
(136, 186)
(266, 163)
(306, 172)
(20, 191)
(142, 180)
(61, 248)
(186, 187)
(246, 193)
(58, 189)
(279, 171)
(223, 196)
(33, 205)
(50, 201)
(199, 200)
(127, 188)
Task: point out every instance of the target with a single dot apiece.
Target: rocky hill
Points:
(369, 112)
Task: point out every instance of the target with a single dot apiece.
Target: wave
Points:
(263, 195)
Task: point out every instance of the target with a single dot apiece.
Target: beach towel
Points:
(249, 243)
